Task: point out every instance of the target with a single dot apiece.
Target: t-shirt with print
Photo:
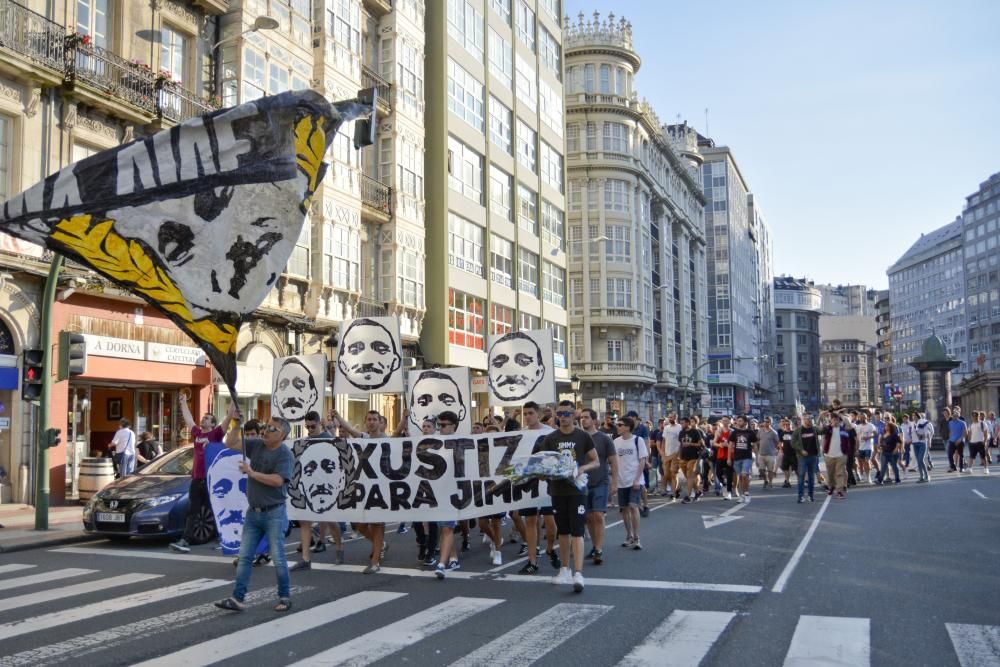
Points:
(810, 440)
(691, 441)
(268, 462)
(200, 439)
(785, 438)
(605, 449)
(721, 450)
(866, 436)
(630, 451)
(742, 439)
(580, 443)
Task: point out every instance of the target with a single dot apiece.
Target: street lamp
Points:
(574, 383)
(259, 23)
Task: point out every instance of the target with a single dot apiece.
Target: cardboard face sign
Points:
(297, 386)
(370, 357)
(227, 491)
(521, 368)
(321, 475)
(430, 392)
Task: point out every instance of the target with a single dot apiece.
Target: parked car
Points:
(152, 502)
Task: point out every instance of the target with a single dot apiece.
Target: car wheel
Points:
(203, 529)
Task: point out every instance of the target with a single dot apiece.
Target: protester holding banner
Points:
(314, 456)
(599, 483)
(530, 414)
(447, 562)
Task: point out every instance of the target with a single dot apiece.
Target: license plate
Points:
(111, 517)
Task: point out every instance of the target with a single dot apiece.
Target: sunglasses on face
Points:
(620, 425)
(271, 429)
(564, 413)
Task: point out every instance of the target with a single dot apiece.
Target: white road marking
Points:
(713, 520)
(537, 636)
(385, 641)
(15, 567)
(78, 647)
(682, 640)
(975, 645)
(18, 601)
(779, 585)
(830, 641)
(248, 639)
(98, 609)
(43, 577)
(979, 494)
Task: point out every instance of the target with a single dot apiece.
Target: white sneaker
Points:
(578, 582)
(487, 539)
(497, 558)
(986, 471)
(739, 499)
(729, 496)
(564, 576)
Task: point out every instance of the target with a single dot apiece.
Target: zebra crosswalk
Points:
(100, 620)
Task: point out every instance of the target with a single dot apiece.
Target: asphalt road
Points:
(901, 575)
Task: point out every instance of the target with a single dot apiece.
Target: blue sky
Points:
(858, 125)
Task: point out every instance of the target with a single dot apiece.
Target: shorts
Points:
(597, 498)
(448, 524)
(769, 463)
(977, 448)
(494, 516)
(742, 466)
(535, 511)
(789, 462)
(864, 454)
(629, 497)
(571, 514)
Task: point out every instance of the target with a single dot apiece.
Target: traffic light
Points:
(364, 130)
(50, 438)
(32, 375)
(72, 355)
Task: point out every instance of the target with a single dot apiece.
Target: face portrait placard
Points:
(227, 491)
(297, 386)
(520, 367)
(321, 475)
(431, 391)
(370, 357)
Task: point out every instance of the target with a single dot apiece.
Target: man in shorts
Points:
(671, 456)
(767, 451)
(531, 414)
(632, 455)
(599, 483)
(866, 434)
(742, 440)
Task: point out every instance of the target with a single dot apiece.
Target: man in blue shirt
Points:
(956, 440)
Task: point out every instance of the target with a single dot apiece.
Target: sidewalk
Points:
(18, 532)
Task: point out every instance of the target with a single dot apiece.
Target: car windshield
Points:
(177, 462)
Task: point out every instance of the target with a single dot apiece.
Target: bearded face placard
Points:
(431, 391)
(370, 357)
(520, 367)
(297, 386)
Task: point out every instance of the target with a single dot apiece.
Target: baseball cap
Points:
(632, 413)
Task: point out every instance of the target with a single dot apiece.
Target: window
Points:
(465, 95)
(525, 24)
(529, 322)
(592, 137)
(527, 209)
(588, 78)
(465, 245)
(525, 83)
(278, 81)
(465, 25)
(551, 8)
(777, 323)
(341, 257)
(553, 224)
(605, 85)
(576, 345)
(615, 137)
(551, 111)
(618, 247)
(501, 120)
(501, 59)
(502, 8)
(502, 261)
(595, 292)
(254, 75)
(465, 320)
(93, 18)
(410, 278)
(576, 242)
(575, 293)
(411, 168)
(501, 319)
(549, 51)
(465, 169)
(410, 81)
(527, 272)
(616, 195)
(501, 192)
(298, 261)
(343, 26)
(619, 293)
(573, 138)
(552, 166)
(558, 343)
(575, 196)
(616, 350)
(554, 284)
(173, 46)
(527, 142)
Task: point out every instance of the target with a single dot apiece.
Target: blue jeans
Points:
(808, 466)
(255, 526)
(920, 452)
(887, 459)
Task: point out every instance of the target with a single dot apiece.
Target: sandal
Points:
(284, 604)
(230, 604)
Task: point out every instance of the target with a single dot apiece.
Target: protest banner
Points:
(370, 357)
(297, 386)
(521, 368)
(431, 391)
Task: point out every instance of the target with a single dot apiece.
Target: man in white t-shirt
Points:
(867, 433)
(632, 454)
(124, 444)
(671, 455)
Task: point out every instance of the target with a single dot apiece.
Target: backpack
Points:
(922, 430)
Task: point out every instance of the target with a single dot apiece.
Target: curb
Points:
(28, 543)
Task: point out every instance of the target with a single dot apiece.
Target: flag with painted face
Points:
(199, 219)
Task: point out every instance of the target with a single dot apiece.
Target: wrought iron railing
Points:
(133, 83)
(368, 307)
(32, 35)
(177, 103)
(376, 194)
(369, 79)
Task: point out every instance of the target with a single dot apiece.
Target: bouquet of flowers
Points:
(548, 466)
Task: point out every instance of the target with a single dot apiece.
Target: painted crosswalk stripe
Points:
(15, 567)
(254, 637)
(43, 577)
(683, 639)
(975, 645)
(830, 640)
(385, 641)
(91, 611)
(534, 638)
(51, 594)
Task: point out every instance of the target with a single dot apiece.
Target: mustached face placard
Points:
(521, 368)
(370, 357)
(227, 488)
(432, 391)
(297, 386)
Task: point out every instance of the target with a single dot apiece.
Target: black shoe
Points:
(465, 545)
(786, 485)
(300, 566)
(529, 568)
(523, 551)
(801, 500)
(319, 547)
(644, 512)
(261, 559)
(422, 554)
(598, 556)
(590, 556)
(554, 559)
(430, 561)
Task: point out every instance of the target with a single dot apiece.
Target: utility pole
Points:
(42, 439)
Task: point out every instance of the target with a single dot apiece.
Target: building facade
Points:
(847, 360)
(980, 237)
(637, 289)
(883, 347)
(927, 296)
(797, 305)
(848, 299)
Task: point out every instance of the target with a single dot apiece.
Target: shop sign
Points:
(175, 354)
(121, 348)
(480, 385)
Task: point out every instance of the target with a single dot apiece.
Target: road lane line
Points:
(387, 640)
(87, 613)
(43, 577)
(975, 645)
(683, 640)
(18, 601)
(979, 494)
(779, 585)
(531, 640)
(256, 636)
(830, 640)
(15, 567)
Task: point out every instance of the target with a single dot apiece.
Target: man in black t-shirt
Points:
(568, 502)
(741, 456)
(691, 440)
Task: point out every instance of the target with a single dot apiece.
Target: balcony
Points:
(376, 197)
(109, 81)
(626, 317)
(616, 371)
(178, 104)
(378, 8)
(369, 79)
(368, 307)
(215, 7)
(33, 38)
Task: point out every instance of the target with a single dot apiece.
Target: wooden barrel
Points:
(95, 474)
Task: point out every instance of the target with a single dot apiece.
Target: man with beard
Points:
(368, 355)
(515, 366)
(320, 479)
(294, 391)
